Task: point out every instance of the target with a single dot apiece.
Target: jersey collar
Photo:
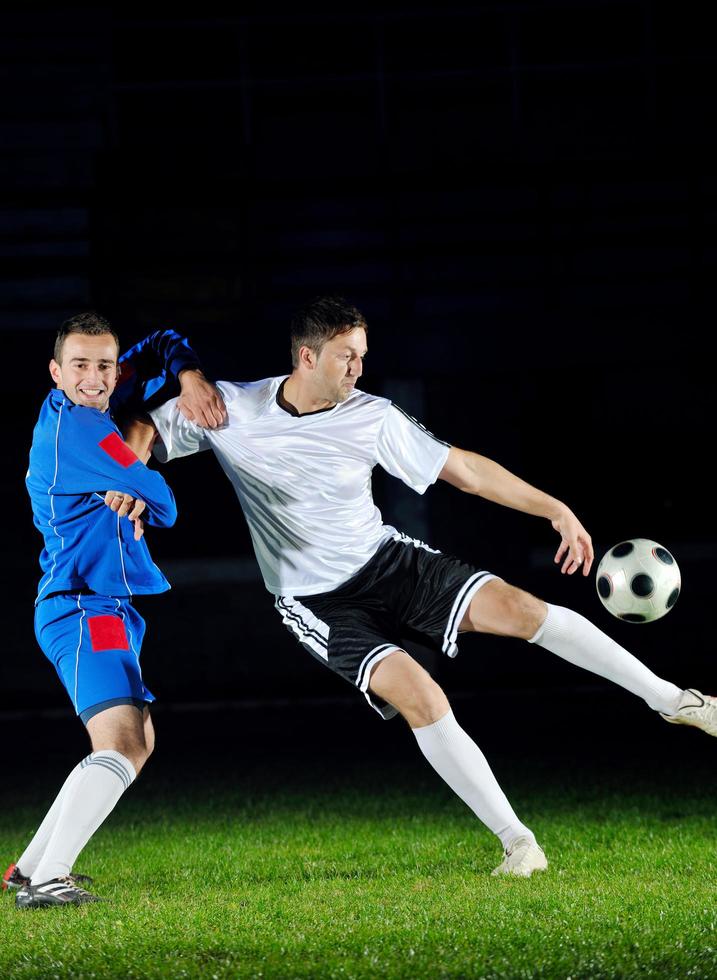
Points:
(289, 408)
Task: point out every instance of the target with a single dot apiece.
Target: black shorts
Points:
(407, 590)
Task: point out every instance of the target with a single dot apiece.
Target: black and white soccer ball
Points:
(638, 580)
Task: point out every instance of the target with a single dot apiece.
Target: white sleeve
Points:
(406, 449)
(179, 436)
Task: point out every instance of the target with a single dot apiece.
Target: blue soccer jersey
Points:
(77, 455)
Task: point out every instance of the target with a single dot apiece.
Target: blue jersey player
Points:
(90, 498)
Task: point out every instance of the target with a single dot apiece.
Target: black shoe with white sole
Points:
(57, 891)
(14, 878)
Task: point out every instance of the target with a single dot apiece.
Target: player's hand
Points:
(200, 400)
(576, 546)
(138, 528)
(125, 505)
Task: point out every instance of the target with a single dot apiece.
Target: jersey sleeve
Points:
(177, 436)
(407, 450)
(92, 457)
(150, 370)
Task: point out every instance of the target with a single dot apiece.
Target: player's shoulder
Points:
(77, 418)
(362, 401)
(249, 398)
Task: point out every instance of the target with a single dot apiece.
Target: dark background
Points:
(521, 198)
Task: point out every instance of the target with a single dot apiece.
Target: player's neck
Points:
(301, 397)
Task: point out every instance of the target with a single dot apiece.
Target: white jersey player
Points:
(299, 451)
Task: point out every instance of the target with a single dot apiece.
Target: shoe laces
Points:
(70, 881)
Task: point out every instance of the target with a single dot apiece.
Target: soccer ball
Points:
(638, 581)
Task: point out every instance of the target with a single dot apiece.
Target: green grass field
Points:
(281, 869)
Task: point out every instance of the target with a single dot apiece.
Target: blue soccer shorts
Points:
(94, 643)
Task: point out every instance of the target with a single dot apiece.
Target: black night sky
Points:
(521, 198)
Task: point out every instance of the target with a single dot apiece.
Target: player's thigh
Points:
(120, 723)
(402, 682)
(504, 610)
(94, 644)
(149, 736)
(348, 637)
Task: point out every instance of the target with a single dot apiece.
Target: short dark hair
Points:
(91, 324)
(321, 320)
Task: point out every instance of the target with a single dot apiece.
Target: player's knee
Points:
(530, 614)
(137, 752)
(401, 681)
(422, 702)
(431, 705)
(507, 611)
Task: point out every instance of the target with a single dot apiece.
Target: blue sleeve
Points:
(93, 458)
(150, 372)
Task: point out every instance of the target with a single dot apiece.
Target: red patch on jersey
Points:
(107, 633)
(118, 450)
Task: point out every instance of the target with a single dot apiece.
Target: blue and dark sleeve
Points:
(150, 372)
(93, 458)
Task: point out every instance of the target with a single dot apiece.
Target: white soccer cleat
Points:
(522, 857)
(695, 709)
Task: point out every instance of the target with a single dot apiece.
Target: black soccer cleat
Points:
(13, 878)
(57, 891)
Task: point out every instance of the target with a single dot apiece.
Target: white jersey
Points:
(304, 481)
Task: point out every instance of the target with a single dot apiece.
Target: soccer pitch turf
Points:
(271, 844)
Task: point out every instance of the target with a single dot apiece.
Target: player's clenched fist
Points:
(124, 504)
(128, 506)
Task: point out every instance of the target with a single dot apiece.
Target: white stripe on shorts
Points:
(309, 629)
(462, 601)
(363, 677)
(404, 539)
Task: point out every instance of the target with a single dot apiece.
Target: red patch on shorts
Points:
(107, 633)
(118, 450)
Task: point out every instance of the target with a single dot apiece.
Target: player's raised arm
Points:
(161, 367)
(479, 475)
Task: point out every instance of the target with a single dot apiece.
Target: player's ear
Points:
(307, 357)
(56, 372)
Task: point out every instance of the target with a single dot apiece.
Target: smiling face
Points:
(88, 370)
(339, 365)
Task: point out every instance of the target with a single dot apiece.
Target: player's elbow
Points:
(164, 513)
(461, 471)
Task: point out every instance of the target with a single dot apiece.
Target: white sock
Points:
(458, 760)
(86, 802)
(32, 855)
(574, 638)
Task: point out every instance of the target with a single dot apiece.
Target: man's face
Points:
(340, 365)
(88, 372)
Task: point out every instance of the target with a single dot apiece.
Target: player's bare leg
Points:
(402, 682)
(504, 610)
(122, 739)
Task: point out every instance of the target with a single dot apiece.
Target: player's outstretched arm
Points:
(485, 478)
(156, 370)
(200, 401)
